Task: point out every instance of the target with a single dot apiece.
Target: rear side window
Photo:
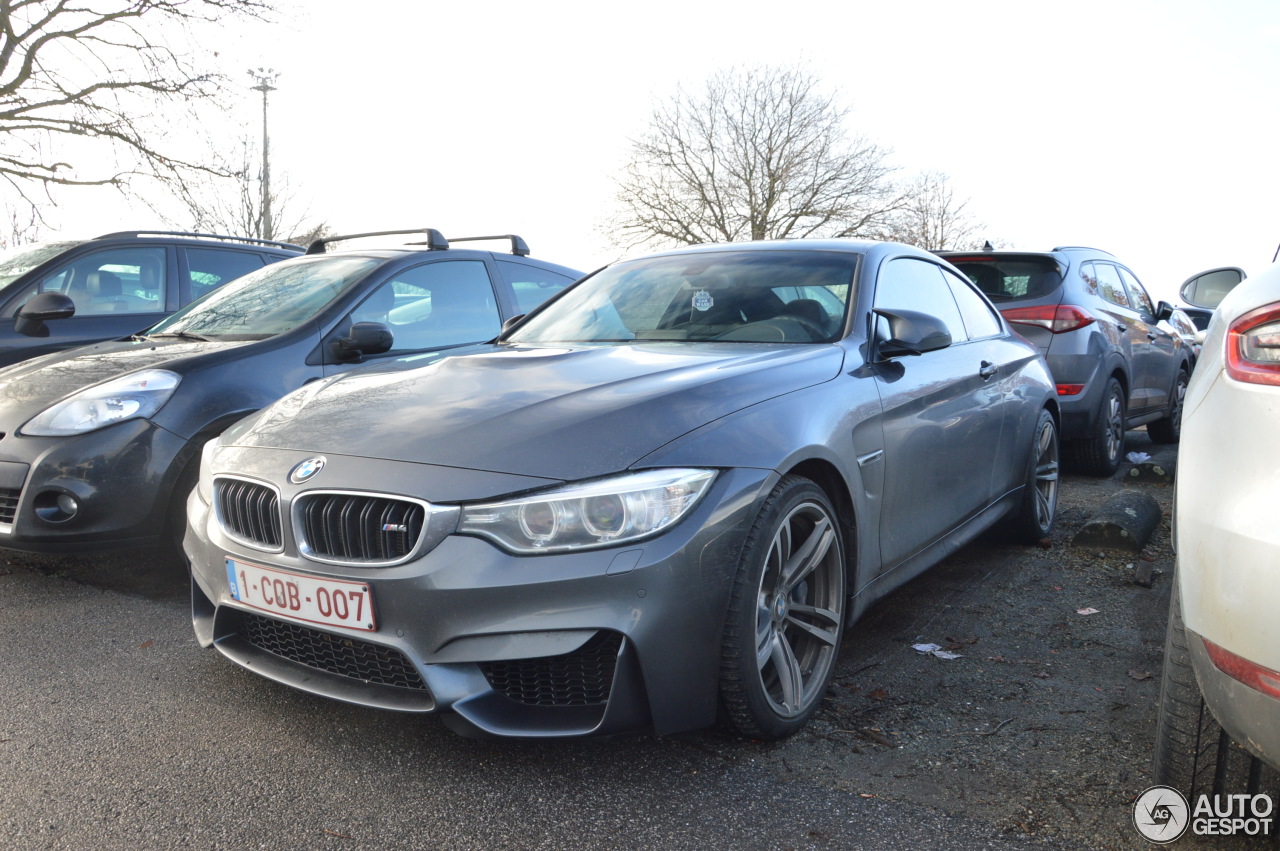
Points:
(1011, 278)
(1103, 279)
(532, 285)
(210, 268)
(979, 319)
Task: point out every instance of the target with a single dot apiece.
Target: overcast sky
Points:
(1145, 128)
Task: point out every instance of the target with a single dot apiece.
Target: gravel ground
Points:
(1041, 732)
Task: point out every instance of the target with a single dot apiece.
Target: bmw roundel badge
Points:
(305, 470)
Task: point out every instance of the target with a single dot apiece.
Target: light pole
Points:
(265, 78)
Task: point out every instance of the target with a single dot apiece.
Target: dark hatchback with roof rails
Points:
(74, 292)
(100, 444)
(1089, 315)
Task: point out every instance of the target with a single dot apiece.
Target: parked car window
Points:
(1009, 278)
(446, 303)
(1108, 284)
(119, 281)
(532, 286)
(979, 319)
(908, 284)
(210, 268)
(270, 301)
(1137, 293)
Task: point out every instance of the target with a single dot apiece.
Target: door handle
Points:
(987, 370)
(1122, 328)
(1152, 335)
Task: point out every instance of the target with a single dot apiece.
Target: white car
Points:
(1222, 653)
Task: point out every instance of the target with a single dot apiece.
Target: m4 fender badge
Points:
(306, 470)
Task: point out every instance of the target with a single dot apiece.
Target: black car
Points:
(64, 294)
(101, 443)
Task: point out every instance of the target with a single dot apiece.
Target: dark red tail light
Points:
(1253, 346)
(1056, 319)
(1251, 674)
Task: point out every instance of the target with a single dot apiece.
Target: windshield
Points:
(736, 296)
(19, 261)
(270, 301)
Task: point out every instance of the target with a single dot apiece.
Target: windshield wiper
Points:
(185, 335)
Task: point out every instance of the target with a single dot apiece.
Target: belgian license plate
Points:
(329, 602)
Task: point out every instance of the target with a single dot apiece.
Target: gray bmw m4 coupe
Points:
(657, 499)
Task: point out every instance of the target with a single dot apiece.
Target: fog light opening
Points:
(56, 506)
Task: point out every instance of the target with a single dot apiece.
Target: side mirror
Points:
(1163, 311)
(366, 338)
(1209, 288)
(912, 333)
(44, 306)
(512, 322)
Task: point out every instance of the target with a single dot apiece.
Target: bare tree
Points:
(80, 84)
(230, 200)
(757, 154)
(932, 218)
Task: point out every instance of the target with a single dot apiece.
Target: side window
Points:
(114, 281)
(1110, 287)
(979, 318)
(531, 284)
(918, 285)
(1137, 293)
(210, 268)
(446, 303)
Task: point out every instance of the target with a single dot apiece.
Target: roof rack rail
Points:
(1080, 248)
(519, 247)
(250, 239)
(435, 239)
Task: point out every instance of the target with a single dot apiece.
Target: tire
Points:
(176, 523)
(1169, 429)
(1035, 517)
(783, 629)
(1193, 753)
(1099, 454)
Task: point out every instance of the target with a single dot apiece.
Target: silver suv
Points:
(1114, 366)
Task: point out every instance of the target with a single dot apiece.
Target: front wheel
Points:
(786, 613)
(1169, 429)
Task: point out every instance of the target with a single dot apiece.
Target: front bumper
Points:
(566, 644)
(120, 478)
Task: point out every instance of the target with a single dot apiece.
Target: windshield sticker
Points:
(702, 300)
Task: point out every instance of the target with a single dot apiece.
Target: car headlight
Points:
(602, 513)
(138, 394)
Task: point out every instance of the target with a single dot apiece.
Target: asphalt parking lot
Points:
(119, 732)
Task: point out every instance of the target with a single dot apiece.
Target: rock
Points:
(1125, 522)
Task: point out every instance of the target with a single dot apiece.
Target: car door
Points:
(942, 418)
(1127, 331)
(116, 291)
(1155, 352)
(431, 306)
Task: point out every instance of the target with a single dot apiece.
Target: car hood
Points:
(555, 413)
(29, 387)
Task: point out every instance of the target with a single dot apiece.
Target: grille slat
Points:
(345, 657)
(250, 511)
(581, 678)
(359, 528)
(9, 504)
